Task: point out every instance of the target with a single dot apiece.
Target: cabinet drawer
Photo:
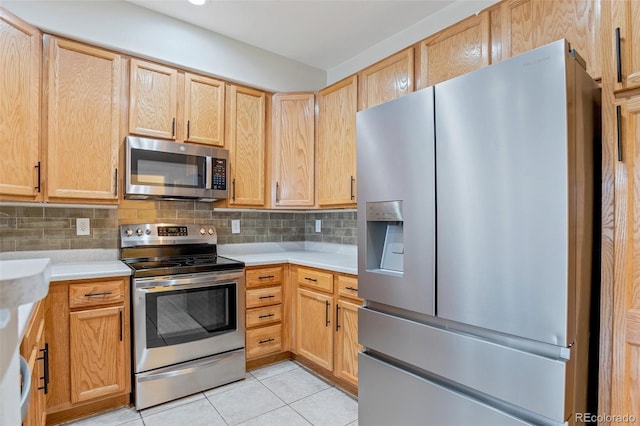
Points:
(264, 340)
(264, 276)
(264, 296)
(316, 279)
(96, 294)
(266, 315)
(348, 286)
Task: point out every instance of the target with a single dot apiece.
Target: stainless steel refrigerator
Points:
(475, 246)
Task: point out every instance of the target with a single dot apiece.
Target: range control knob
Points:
(139, 232)
(203, 231)
(128, 232)
(211, 231)
(147, 231)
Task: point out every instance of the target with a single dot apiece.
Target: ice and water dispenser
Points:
(385, 237)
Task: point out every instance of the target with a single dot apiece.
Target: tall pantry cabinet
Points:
(20, 76)
(620, 328)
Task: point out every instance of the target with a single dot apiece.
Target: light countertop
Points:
(87, 264)
(333, 257)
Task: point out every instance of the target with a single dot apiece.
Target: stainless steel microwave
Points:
(157, 169)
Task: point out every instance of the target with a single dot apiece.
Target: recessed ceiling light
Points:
(197, 2)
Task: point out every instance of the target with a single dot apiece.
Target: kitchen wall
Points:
(129, 28)
(54, 228)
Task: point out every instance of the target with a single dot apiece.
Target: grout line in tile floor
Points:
(282, 394)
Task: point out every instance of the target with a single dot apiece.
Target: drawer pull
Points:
(271, 296)
(270, 339)
(266, 277)
(265, 316)
(102, 293)
(352, 288)
(310, 279)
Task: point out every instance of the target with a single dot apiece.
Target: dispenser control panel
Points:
(384, 211)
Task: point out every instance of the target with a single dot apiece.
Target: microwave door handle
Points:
(209, 172)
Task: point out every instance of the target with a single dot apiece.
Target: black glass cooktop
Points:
(157, 266)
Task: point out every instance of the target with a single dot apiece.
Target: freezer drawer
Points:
(391, 396)
(525, 380)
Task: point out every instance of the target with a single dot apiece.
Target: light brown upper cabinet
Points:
(625, 21)
(527, 24)
(84, 87)
(337, 107)
(457, 50)
(293, 150)
(246, 133)
(20, 68)
(153, 100)
(167, 103)
(203, 110)
(386, 80)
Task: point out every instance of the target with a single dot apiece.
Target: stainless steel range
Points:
(188, 311)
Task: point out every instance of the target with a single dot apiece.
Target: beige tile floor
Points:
(281, 394)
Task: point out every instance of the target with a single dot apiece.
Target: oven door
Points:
(184, 317)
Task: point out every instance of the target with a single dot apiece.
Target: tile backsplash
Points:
(54, 228)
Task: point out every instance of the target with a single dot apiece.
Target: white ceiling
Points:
(319, 33)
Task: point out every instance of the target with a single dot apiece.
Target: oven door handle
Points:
(169, 287)
(184, 283)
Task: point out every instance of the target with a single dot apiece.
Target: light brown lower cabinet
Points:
(264, 311)
(347, 347)
(327, 321)
(97, 353)
(34, 349)
(87, 327)
(315, 327)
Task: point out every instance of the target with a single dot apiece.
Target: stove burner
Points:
(209, 260)
(154, 265)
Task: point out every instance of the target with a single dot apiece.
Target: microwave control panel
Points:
(219, 174)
